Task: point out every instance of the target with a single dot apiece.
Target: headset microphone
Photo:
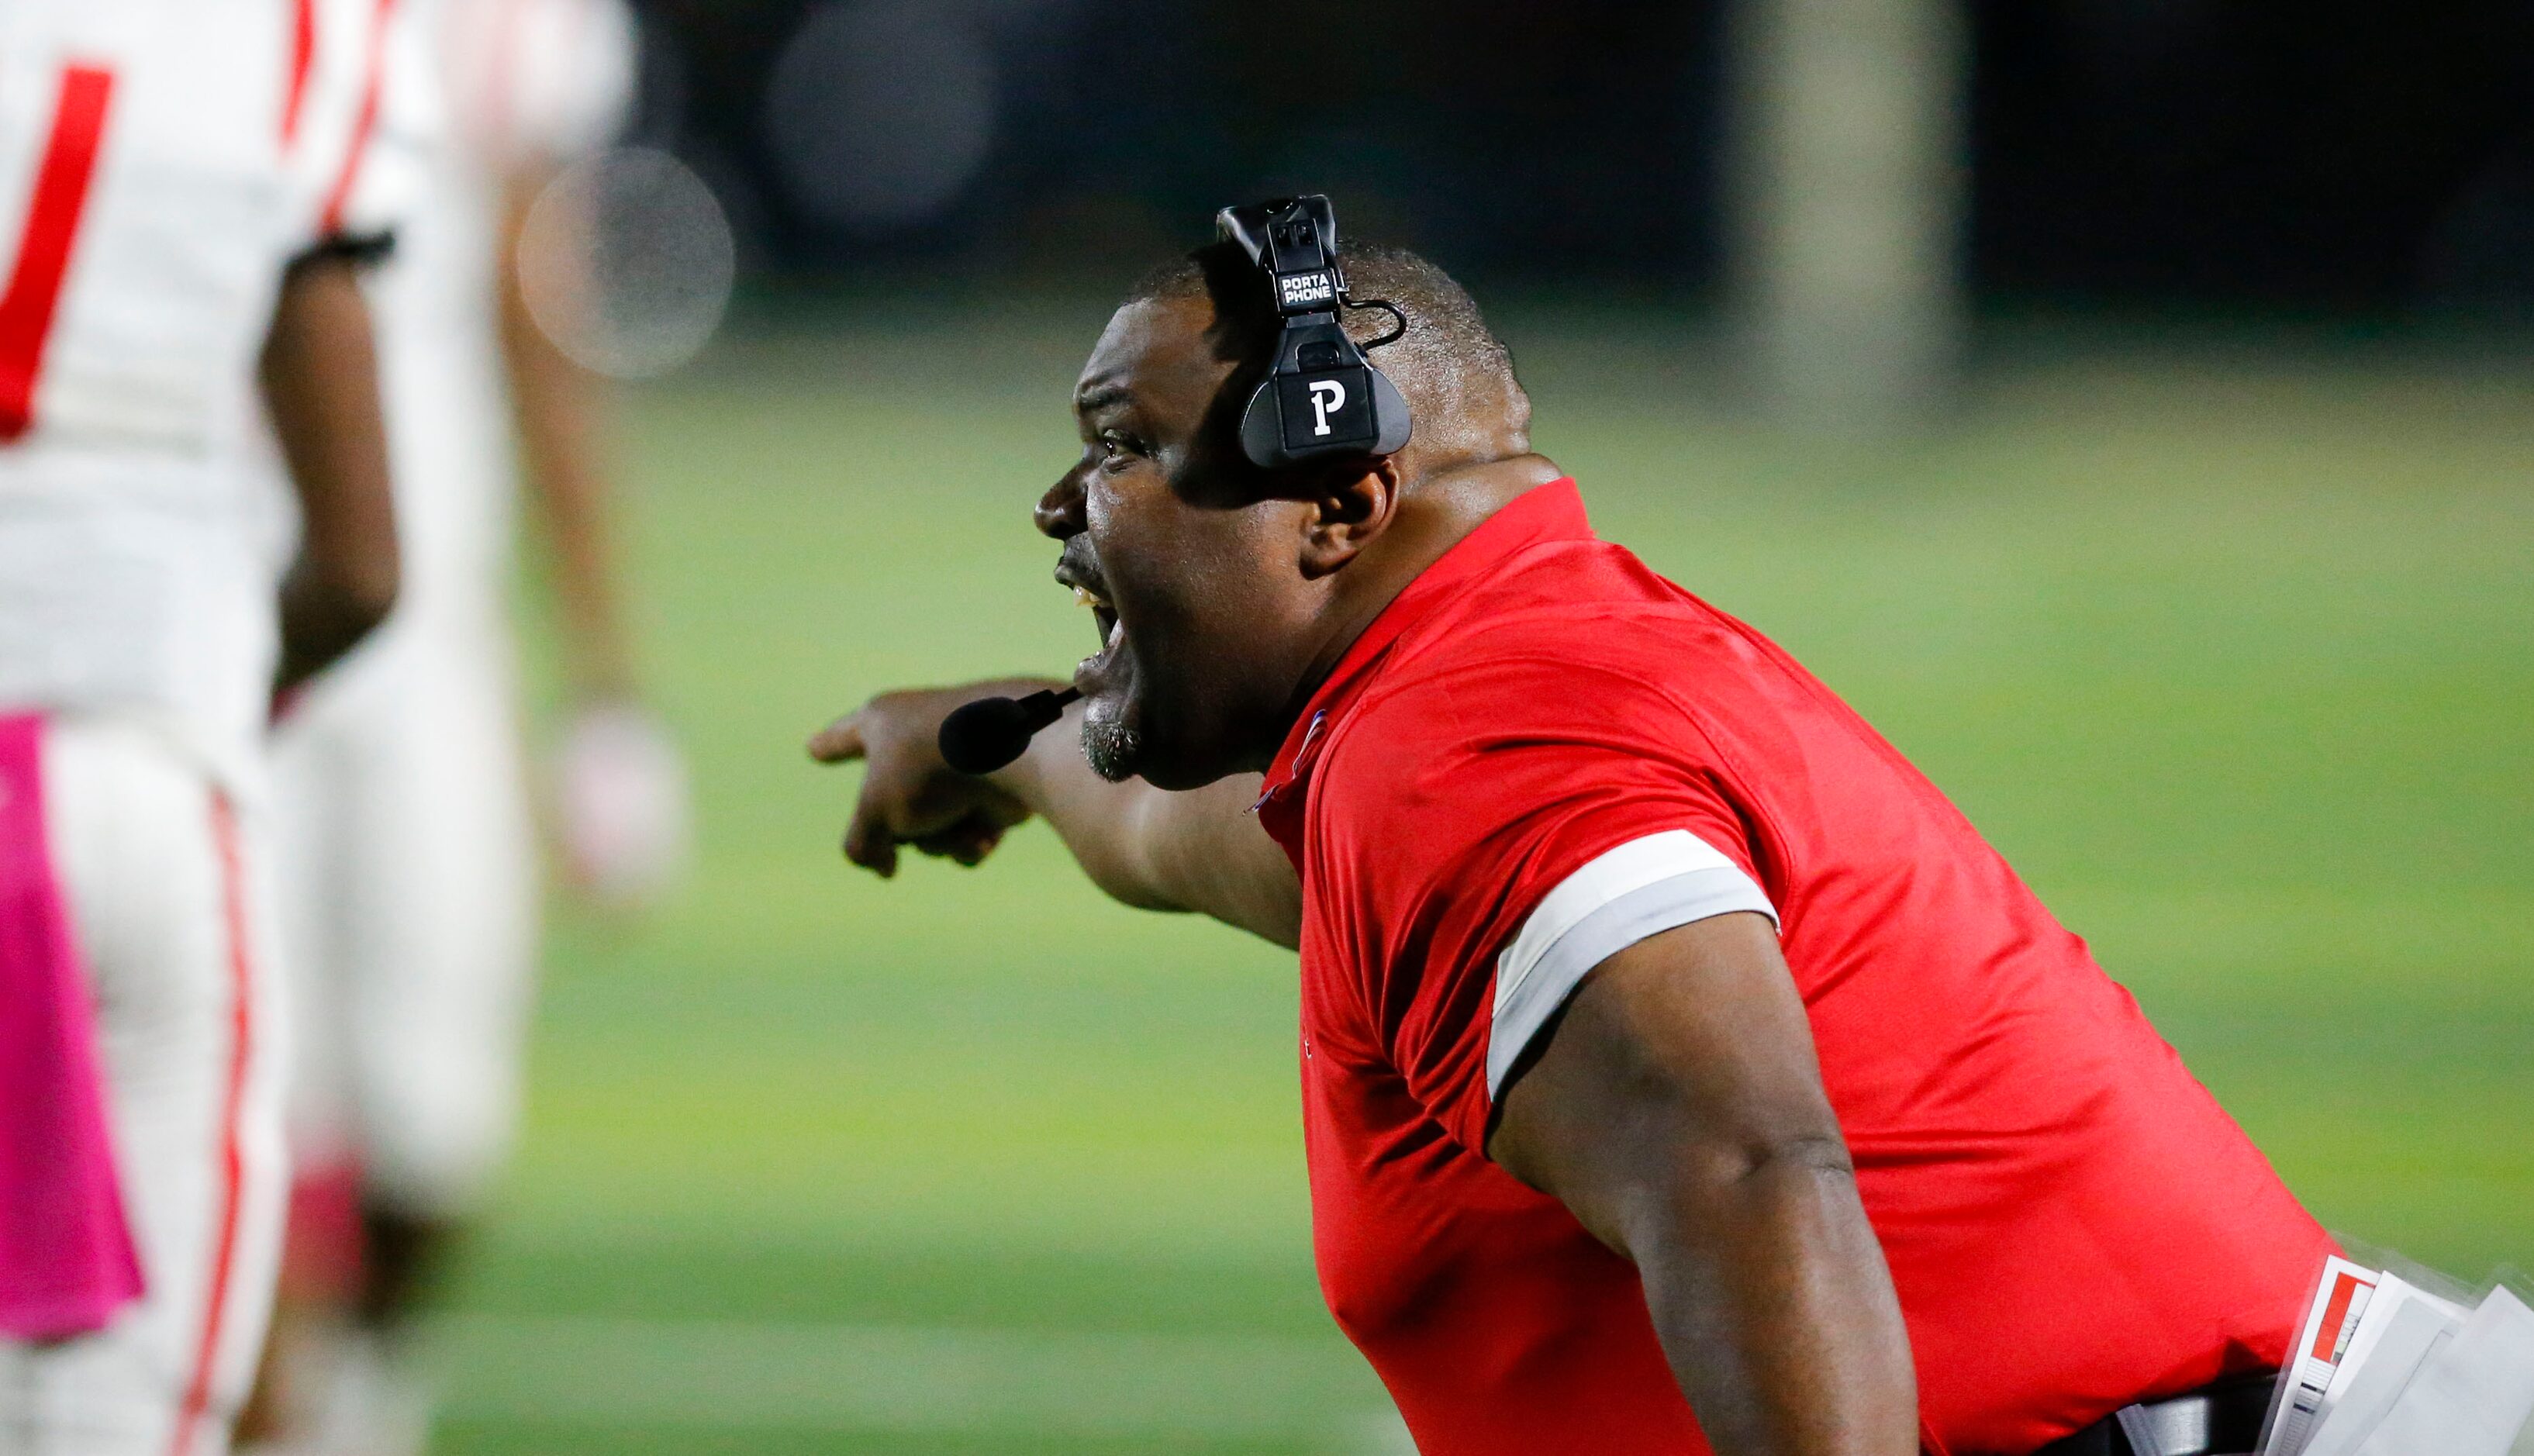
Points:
(981, 737)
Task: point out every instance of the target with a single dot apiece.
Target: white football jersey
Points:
(160, 163)
(519, 83)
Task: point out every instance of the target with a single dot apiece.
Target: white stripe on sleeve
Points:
(1641, 888)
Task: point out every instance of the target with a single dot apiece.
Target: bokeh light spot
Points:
(878, 113)
(626, 262)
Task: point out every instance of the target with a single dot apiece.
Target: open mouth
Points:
(1091, 589)
(1104, 676)
(1104, 617)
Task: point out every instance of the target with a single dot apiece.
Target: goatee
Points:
(1112, 747)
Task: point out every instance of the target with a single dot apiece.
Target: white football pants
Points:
(161, 873)
(409, 887)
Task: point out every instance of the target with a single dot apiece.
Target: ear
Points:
(1348, 512)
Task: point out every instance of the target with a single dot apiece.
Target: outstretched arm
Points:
(1200, 851)
(1677, 1110)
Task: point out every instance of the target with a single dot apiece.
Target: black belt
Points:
(2222, 1420)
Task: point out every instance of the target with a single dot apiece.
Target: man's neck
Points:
(1436, 512)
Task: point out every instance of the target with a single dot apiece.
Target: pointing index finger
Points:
(840, 742)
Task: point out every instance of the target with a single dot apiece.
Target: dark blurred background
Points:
(2342, 158)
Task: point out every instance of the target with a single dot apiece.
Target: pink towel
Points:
(65, 1256)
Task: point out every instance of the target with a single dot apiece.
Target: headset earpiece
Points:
(1321, 398)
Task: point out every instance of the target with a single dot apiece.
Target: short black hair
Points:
(1448, 363)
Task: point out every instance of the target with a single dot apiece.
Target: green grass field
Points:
(2235, 658)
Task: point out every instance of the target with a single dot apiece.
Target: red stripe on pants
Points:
(198, 1390)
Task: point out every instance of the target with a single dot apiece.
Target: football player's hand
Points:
(621, 805)
(909, 796)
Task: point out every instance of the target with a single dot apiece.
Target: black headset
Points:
(1321, 398)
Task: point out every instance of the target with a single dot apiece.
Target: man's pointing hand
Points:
(909, 796)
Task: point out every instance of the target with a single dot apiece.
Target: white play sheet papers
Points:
(2384, 1368)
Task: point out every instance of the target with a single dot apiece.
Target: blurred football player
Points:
(174, 220)
(401, 785)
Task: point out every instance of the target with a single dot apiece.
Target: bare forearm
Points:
(1092, 816)
(319, 381)
(1199, 850)
(555, 405)
(1771, 1297)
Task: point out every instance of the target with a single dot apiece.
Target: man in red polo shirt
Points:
(1679, 1068)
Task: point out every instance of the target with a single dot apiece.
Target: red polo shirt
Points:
(1541, 752)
